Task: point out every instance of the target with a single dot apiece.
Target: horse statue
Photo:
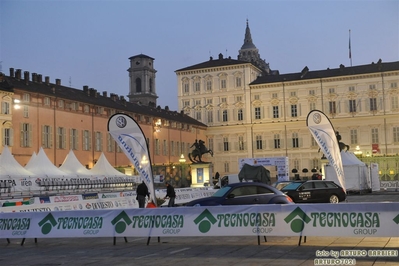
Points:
(342, 146)
(196, 155)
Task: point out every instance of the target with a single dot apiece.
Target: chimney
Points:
(47, 80)
(26, 76)
(57, 82)
(114, 96)
(86, 89)
(92, 92)
(220, 56)
(34, 77)
(166, 108)
(11, 72)
(122, 99)
(39, 78)
(104, 93)
(18, 74)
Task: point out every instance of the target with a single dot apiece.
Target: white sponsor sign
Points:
(112, 200)
(389, 184)
(348, 220)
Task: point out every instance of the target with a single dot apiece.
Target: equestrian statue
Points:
(342, 146)
(199, 149)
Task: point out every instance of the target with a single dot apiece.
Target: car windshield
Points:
(221, 192)
(292, 186)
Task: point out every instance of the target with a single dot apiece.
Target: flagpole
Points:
(350, 50)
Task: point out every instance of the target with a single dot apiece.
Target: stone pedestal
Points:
(201, 174)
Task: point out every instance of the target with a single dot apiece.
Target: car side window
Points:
(237, 192)
(331, 185)
(244, 191)
(308, 185)
(320, 185)
(263, 190)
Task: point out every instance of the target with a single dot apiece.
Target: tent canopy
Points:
(357, 177)
(348, 158)
(104, 168)
(9, 167)
(73, 167)
(43, 167)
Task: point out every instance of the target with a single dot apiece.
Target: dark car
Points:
(243, 193)
(314, 191)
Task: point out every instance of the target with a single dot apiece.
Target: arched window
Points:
(138, 84)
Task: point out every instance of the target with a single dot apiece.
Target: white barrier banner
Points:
(184, 195)
(109, 200)
(348, 219)
(83, 205)
(389, 184)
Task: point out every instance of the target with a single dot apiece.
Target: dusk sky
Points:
(90, 42)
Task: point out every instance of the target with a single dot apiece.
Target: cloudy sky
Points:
(89, 42)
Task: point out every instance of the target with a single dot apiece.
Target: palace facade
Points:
(254, 112)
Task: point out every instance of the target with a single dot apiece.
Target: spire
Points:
(248, 44)
(250, 53)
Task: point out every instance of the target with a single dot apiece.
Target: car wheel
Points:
(334, 199)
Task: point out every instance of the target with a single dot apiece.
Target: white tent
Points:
(357, 176)
(11, 171)
(42, 167)
(10, 167)
(104, 169)
(31, 161)
(73, 168)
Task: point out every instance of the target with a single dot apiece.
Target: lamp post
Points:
(358, 152)
(182, 160)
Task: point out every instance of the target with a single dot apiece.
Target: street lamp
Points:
(182, 159)
(16, 104)
(358, 152)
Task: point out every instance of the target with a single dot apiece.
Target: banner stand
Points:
(23, 241)
(115, 240)
(300, 238)
(149, 238)
(259, 240)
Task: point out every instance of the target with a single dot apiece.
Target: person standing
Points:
(142, 192)
(170, 193)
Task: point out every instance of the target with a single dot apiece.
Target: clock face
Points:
(137, 63)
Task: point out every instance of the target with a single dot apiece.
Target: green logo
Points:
(396, 219)
(204, 221)
(120, 222)
(297, 223)
(47, 224)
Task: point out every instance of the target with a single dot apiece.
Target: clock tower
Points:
(142, 80)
